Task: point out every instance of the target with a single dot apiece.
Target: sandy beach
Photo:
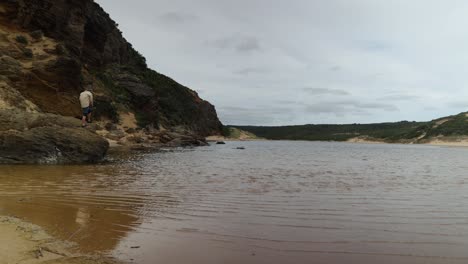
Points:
(443, 141)
(23, 242)
(449, 143)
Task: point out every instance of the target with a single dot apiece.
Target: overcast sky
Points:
(276, 62)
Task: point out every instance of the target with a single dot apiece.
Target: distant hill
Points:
(449, 128)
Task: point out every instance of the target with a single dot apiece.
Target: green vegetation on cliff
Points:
(235, 133)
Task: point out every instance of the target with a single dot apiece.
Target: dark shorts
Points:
(87, 111)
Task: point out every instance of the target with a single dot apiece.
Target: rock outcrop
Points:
(47, 139)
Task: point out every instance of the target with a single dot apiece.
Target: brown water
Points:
(275, 202)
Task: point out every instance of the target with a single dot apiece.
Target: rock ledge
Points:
(35, 138)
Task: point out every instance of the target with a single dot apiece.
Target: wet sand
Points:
(274, 202)
(22, 242)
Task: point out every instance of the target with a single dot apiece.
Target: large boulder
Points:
(34, 138)
(9, 67)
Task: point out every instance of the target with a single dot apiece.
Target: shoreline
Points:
(435, 142)
(23, 242)
(221, 138)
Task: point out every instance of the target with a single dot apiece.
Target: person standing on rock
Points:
(87, 102)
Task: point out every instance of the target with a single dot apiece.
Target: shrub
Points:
(143, 119)
(37, 35)
(22, 39)
(104, 108)
(60, 49)
(28, 53)
(226, 131)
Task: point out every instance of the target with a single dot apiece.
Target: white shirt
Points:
(86, 99)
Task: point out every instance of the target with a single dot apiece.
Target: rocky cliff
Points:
(49, 49)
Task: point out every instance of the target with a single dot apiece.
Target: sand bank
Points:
(21, 242)
(364, 141)
(445, 141)
(455, 143)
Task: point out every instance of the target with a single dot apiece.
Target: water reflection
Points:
(93, 205)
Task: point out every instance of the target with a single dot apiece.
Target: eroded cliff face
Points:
(50, 48)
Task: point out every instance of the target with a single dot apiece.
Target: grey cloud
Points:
(245, 119)
(386, 107)
(287, 102)
(223, 43)
(336, 110)
(324, 108)
(458, 104)
(399, 97)
(430, 108)
(250, 70)
(361, 105)
(350, 106)
(376, 76)
(291, 103)
(271, 110)
(234, 109)
(252, 116)
(177, 18)
(321, 91)
(376, 46)
(238, 43)
(335, 68)
(248, 44)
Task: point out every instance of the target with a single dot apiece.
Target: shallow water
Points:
(274, 202)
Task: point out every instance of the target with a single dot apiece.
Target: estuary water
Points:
(273, 202)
